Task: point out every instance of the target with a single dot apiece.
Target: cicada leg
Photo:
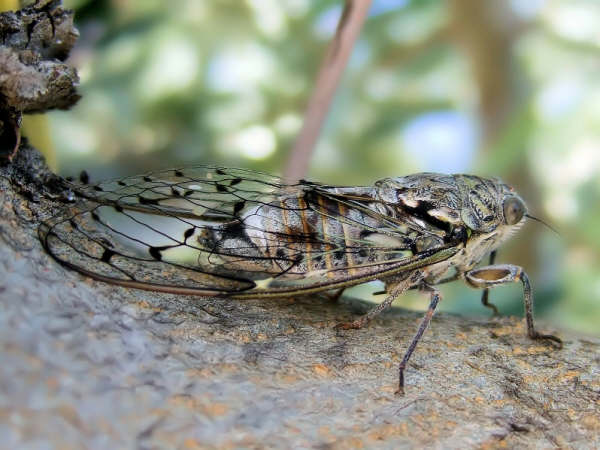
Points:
(394, 287)
(486, 291)
(489, 276)
(366, 318)
(435, 299)
(334, 296)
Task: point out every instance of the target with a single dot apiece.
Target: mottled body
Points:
(242, 234)
(347, 231)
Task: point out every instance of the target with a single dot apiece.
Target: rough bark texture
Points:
(33, 43)
(89, 365)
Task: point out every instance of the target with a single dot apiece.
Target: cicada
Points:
(215, 231)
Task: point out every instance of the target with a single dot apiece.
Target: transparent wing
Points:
(213, 230)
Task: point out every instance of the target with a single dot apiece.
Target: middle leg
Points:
(435, 298)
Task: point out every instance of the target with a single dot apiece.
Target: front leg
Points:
(485, 296)
(490, 276)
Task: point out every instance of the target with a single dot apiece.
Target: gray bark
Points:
(90, 365)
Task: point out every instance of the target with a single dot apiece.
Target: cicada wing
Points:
(154, 229)
(212, 230)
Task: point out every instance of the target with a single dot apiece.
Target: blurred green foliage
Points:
(498, 87)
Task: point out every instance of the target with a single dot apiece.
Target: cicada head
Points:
(490, 205)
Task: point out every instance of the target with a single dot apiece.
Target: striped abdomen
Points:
(301, 234)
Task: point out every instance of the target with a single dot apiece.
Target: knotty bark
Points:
(34, 42)
(86, 364)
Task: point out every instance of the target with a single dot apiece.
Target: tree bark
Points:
(33, 43)
(86, 364)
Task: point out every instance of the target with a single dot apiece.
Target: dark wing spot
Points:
(175, 192)
(339, 254)
(107, 255)
(98, 188)
(220, 172)
(148, 201)
(235, 181)
(73, 224)
(155, 253)
(311, 236)
(121, 183)
(187, 233)
(280, 253)
(118, 208)
(147, 178)
(95, 216)
(362, 253)
(188, 193)
(178, 173)
(234, 230)
(221, 188)
(238, 207)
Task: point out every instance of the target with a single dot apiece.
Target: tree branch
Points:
(88, 362)
(334, 63)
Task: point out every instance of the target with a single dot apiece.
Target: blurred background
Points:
(490, 87)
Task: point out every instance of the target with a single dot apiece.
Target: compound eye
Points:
(514, 210)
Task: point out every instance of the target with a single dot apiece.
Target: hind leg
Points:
(394, 288)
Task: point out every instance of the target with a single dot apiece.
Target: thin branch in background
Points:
(336, 58)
